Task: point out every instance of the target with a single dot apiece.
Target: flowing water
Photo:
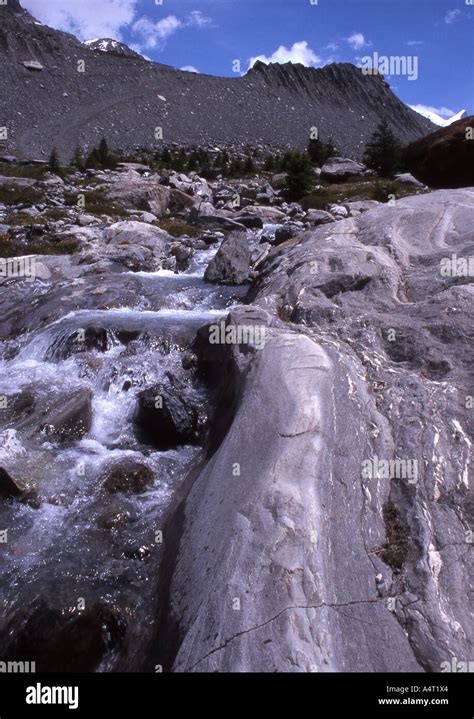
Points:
(64, 556)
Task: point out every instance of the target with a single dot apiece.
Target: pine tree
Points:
(193, 164)
(249, 166)
(287, 160)
(316, 152)
(383, 151)
(103, 152)
(78, 159)
(269, 164)
(329, 149)
(54, 164)
(92, 161)
(166, 157)
(301, 175)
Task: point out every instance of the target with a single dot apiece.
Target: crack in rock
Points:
(282, 611)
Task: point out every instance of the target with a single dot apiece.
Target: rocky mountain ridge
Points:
(79, 95)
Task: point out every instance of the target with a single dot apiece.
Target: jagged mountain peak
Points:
(107, 44)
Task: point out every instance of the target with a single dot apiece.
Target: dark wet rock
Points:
(114, 518)
(286, 232)
(70, 418)
(85, 339)
(17, 407)
(189, 361)
(63, 640)
(127, 476)
(8, 486)
(444, 159)
(252, 222)
(165, 418)
(183, 256)
(231, 264)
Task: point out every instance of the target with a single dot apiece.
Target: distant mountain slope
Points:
(445, 159)
(128, 99)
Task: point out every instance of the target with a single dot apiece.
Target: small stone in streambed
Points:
(17, 407)
(189, 361)
(72, 419)
(114, 518)
(8, 487)
(128, 476)
(165, 419)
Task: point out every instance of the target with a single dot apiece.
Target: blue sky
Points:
(209, 35)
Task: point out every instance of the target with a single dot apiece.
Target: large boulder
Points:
(17, 182)
(445, 159)
(266, 214)
(319, 217)
(205, 215)
(181, 201)
(231, 264)
(337, 169)
(135, 193)
(130, 232)
(136, 245)
(322, 546)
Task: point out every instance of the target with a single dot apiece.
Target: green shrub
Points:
(394, 552)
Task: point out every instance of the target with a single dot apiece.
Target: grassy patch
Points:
(34, 172)
(22, 219)
(379, 189)
(177, 228)
(14, 195)
(95, 203)
(12, 247)
(395, 550)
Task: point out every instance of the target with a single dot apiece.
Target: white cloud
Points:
(451, 16)
(155, 34)
(357, 41)
(85, 18)
(442, 116)
(190, 68)
(197, 19)
(299, 52)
